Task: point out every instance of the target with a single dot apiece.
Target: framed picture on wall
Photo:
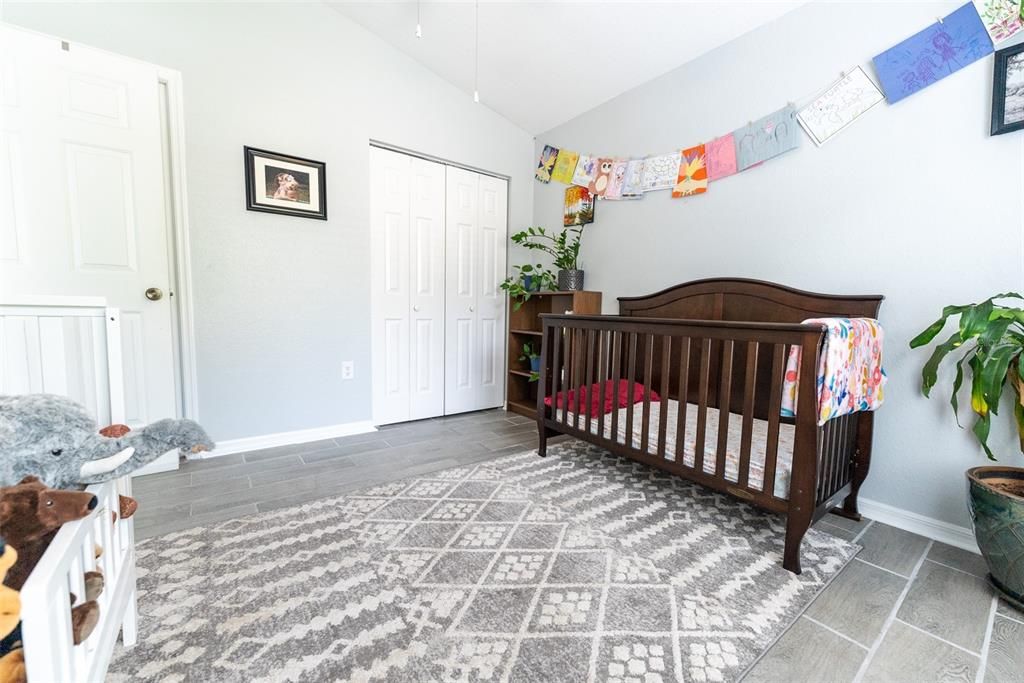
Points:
(278, 183)
(579, 206)
(1008, 90)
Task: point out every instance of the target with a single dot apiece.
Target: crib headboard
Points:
(740, 300)
(747, 300)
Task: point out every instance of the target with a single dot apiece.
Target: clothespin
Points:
(939, 19)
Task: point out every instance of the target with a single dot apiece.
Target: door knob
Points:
(154, 294)
(416, 309)
(470, 309)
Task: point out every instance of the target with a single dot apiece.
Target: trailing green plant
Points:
(563, 247)
(528, 352)
(993, 336)
(542, 279)
(529, 355)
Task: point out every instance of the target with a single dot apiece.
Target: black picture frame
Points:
(305, 184)
(1002, 61)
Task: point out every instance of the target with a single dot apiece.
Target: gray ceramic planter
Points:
(570, 280)
(999, 526)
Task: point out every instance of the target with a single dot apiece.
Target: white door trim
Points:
(185, 341)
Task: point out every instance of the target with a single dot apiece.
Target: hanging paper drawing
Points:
(932, 54)
(660, 172)
(1002, 18)
(617, 179)
(839, 106)
(721, 157)
(579, 206)
(602, 176)
(693, 173)
(633, 187)
(565, 165)
(585, 169)
(767, 137)
(547, 162)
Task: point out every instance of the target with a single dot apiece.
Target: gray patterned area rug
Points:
(579, 567)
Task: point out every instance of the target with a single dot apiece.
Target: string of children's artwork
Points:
(951, 43)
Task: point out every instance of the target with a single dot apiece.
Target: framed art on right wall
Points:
(1008, 90)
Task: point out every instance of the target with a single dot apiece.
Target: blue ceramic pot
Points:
(528, 283)
(535, 364)
(999, 526)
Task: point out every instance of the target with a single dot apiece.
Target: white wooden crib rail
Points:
(72, 346)
(50, 654)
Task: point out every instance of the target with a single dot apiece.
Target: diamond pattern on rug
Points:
(581, 566)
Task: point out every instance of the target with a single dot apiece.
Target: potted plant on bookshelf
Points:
(993, 336)
(563, 247)
(529, 354)
(526, 281)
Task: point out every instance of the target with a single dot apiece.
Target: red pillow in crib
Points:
(613, 400)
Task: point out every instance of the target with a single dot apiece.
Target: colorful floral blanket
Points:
(850, 374)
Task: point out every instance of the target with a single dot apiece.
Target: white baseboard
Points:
(935, 529)
(255, 443)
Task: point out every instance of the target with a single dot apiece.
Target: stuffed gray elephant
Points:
(56, 439)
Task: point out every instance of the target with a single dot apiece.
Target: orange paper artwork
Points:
(693, 173)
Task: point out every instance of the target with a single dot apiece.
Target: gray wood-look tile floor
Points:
(905, 609)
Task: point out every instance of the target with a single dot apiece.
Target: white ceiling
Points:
(543, 63)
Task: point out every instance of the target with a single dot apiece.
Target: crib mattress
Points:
(758, 442)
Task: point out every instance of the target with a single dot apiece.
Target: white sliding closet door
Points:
(437, 257)
(407, 252)
(476, 229)
(426, 262)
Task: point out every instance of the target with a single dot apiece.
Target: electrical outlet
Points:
(348, 369)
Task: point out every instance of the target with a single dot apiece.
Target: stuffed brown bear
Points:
(30, 516)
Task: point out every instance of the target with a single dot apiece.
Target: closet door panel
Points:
(462, 357)
(491, 301)
(390, 291)
(427, 289)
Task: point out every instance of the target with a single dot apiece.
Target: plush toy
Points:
(12, 660)
(30, 515)
(56, 439)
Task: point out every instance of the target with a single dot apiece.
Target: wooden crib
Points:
(712, 348)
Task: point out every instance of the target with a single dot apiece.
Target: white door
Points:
(475, 233)
(82, 207)
(407, 254)
(426, 296)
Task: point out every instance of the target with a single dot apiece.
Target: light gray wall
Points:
(914, 201)
(280, 302)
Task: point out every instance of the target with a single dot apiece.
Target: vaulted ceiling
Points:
(544, 63)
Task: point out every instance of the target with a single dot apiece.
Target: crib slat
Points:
(666, 358)
(602, 376)
(579, 351)
(616, 376)
(724, 398)
(684, 396)
(590, 377)
(645, 419)
(631, 377)
(556, 372)
(774, 409)
(749, 392)
(702, 404)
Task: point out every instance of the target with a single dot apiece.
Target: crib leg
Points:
(544, 433)
(797, 525)
(130, 625)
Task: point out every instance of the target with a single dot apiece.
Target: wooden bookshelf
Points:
(524, 327)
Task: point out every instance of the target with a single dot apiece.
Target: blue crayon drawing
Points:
(932, 54)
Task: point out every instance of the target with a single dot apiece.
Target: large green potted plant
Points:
(991, 337)
(563, 247)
